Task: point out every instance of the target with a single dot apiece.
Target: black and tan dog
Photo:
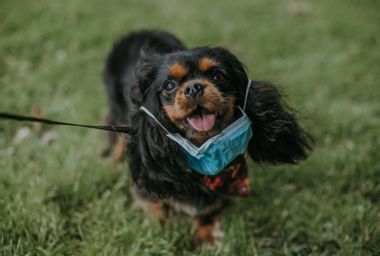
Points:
(194, 92)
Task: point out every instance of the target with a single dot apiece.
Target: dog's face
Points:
(198, 90)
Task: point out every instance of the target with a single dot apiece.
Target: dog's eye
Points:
(170, 86)
(218, 76)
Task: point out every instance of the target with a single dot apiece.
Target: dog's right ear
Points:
(145, 71)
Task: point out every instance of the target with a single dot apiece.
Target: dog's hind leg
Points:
(120, 148)
(156, 209)
(111, 137)
(116, 142)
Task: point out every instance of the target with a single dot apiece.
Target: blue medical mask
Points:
(217, 152)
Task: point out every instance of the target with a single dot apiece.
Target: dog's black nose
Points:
(193, 90)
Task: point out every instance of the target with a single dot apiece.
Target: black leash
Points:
(110, 128)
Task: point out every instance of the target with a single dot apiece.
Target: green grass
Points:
(63, 199)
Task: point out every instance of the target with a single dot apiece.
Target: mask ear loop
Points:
(246, 94)
(153, 117)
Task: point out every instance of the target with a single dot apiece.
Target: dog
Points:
(196, 93)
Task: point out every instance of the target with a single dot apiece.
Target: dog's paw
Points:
(208, 236)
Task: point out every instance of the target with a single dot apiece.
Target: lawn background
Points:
(63, 199)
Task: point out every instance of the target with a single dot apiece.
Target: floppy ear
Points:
(145, 70)
(277, 136)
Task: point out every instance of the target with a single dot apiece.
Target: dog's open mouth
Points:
(201, 120)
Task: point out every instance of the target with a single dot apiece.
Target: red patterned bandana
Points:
(232, 181)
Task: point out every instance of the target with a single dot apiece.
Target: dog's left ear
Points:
(277, 135)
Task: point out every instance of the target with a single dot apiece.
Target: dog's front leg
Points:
(207, 230)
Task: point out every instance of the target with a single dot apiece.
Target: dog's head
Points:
(197, 90)
(196, 93)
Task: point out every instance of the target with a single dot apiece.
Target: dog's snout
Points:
(193, 90)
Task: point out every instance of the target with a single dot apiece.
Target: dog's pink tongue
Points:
(202, 123)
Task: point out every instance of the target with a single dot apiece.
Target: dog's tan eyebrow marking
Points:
(206, 63)
(177, 70)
